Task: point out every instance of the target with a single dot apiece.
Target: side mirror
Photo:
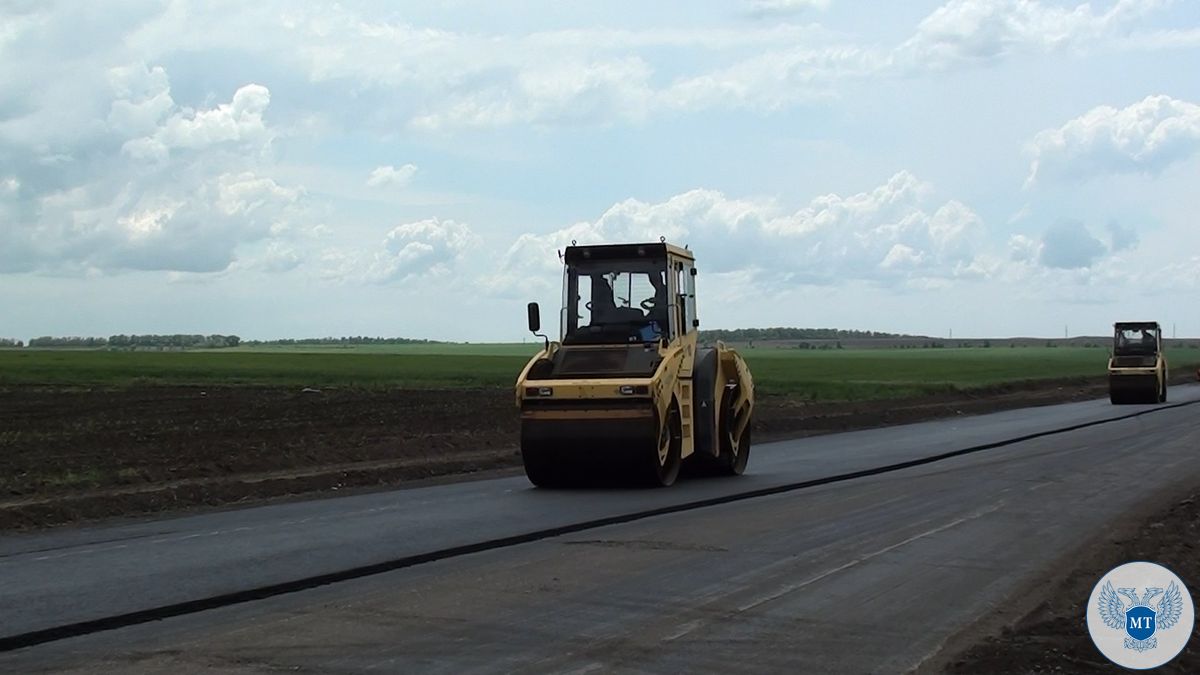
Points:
(535, 318)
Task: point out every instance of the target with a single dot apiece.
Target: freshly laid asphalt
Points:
(864, 575)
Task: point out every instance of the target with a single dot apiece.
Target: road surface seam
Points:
(46, 635)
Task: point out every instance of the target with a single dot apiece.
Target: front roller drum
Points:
(542, 468)
(595, 452)
(1125, 389)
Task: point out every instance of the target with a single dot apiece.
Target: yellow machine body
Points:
(628, 387)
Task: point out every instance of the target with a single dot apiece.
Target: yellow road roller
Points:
(627, 388)
(1137, 368)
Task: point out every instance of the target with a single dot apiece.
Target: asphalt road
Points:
(864, 575)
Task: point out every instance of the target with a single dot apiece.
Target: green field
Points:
(813, 374)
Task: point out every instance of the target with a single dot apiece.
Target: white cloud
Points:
(1023, 249)
(1147, 136)
(280, 258)
(240, 120)
(390, 176)
(885, 234)
(99, 210)
(903, 256)
(245, 193)
(192, 228)
(983, 31)
(143, 98)
(427, 247)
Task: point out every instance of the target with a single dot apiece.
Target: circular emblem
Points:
(1140, 615)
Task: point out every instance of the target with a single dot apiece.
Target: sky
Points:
(286, 169)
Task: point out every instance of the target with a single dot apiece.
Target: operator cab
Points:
(623, 306)
(1142, 338)
(627, 294)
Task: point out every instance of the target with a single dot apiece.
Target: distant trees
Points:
(83, 342)
(747, 334)
(355, 340)
(185, 341)
(177, 341)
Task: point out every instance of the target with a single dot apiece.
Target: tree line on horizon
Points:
(174, 341)
(780, 333)
(354, 340)
(186, 341)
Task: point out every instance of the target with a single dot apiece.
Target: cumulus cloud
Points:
(142, 99)
(184, 211)
(892, 233)
(197, 230)
(426, 247)
(1147, 136)
(1069, 245)
(390, 176)
(983, 31)
(240, 120)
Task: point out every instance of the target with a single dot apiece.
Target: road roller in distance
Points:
(1137, 368)
(627, 391)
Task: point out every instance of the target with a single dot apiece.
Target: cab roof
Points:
(661, 249)
(1137, 324)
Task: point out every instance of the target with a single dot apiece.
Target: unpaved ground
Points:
(69, 455)
(1053, 636)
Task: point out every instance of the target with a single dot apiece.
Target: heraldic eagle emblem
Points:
(1139, 619)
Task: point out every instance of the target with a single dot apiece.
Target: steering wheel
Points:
(648, 304)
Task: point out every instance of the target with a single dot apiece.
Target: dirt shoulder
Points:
(1052, 636)
(82, 454)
